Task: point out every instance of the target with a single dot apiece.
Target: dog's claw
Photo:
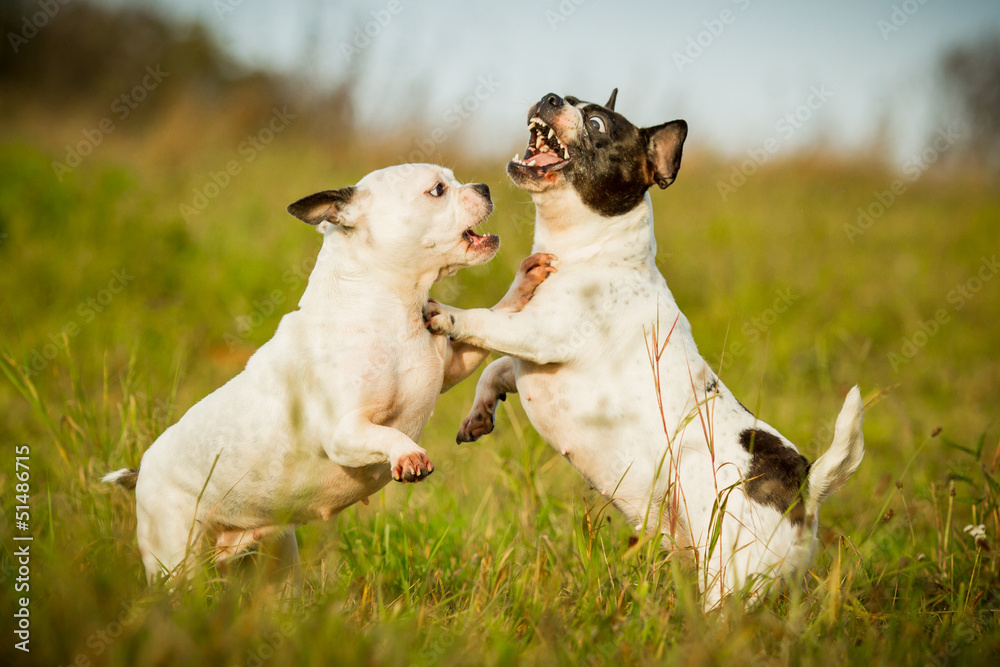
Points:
(436, 319)
(480, 422)
(412, 467)
(534, 271)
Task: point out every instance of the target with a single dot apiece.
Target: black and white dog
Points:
(610, 375)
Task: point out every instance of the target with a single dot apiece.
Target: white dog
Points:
(609, 373)
(333, 405)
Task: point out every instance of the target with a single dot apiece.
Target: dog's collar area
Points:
(545, 151)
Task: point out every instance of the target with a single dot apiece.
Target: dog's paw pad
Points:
(476, 425)
(412, 467)
(436, 319)
(540, 260)
(534, 271)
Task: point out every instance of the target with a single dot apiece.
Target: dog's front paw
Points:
(480, 420)
(534, 271)
(437, 319)
(412, 466)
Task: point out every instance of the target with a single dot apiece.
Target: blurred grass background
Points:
(120, 310)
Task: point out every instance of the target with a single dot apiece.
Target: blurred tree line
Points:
(59, 59)
(66, 59)
(971, 78)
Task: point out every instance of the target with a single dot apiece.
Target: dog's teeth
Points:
(517, 157)
(545, 149)
(531, 164)
(552, 134)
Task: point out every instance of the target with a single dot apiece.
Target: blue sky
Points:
(734, 69)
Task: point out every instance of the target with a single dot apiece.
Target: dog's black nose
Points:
(552, 100)
(482, 189)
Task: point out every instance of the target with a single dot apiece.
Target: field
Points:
(121, 309)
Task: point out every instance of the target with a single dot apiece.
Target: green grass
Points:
(503, 556)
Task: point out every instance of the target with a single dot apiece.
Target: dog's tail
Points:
(125, 478)
(829, 472)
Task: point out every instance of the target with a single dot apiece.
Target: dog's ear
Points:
(326, 206)
(611, 102)
(664, 144)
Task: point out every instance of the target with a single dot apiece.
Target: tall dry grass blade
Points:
(939, 548)
(947, 523)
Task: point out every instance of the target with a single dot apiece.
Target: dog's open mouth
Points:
(479, 240)
(545, 152)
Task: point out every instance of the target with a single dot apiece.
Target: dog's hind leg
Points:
(166, 527)
(286, 562)
(267, 557)
(494, 384)
(165, 536)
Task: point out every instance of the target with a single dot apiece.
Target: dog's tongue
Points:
(542, 159)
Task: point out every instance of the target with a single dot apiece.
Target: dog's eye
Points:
(597, 123)
(437, 190)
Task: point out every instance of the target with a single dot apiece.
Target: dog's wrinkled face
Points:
(594, 150)
(415, 215)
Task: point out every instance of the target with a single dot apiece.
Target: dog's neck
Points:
(565, 227)
(365, 287)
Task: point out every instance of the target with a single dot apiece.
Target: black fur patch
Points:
(325, 205)
(777, 473)
(609, 169)
(613, 162)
